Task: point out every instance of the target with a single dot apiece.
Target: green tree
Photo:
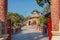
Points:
(42, 20)
(46, 9)
(16, 18)
(42, 2)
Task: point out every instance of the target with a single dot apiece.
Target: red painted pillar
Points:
(9, 29)
(49, 28)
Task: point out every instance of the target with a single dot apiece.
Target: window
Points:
(0, 28)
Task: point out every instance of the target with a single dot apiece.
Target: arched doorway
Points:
(29, 22)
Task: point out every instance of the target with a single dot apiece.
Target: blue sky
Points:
(23, 7)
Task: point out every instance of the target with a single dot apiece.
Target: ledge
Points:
(55, 33)
(4, 37)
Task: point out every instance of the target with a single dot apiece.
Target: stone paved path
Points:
(28, 33)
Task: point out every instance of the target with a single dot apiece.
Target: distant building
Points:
(33, 19)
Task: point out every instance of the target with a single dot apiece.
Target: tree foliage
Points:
(46, 8)
(43, 20)
(15, 18)
(42, 2)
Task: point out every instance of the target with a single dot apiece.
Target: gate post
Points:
(9, 29)
(3, 18)
(55, 13)
(49, 28)
(3, 14)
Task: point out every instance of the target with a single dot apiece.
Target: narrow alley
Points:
(29, 33)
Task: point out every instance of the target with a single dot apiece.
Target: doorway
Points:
(29, 22)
